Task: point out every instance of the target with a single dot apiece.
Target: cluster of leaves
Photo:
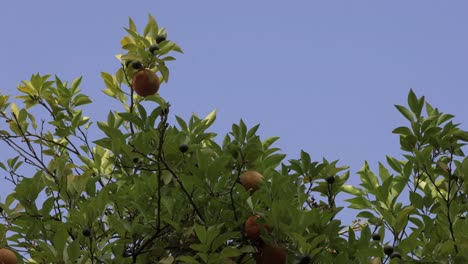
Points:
(150, 191)
(427, 225)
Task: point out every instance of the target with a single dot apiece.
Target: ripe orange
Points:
(253, 229)
(271, 254)
(145, 82)
(251, 180)
(7, 256)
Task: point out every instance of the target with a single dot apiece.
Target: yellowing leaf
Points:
(127, 42)
(210, 118)
(14, 109)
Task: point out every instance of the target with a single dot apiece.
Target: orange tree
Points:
(150, 191)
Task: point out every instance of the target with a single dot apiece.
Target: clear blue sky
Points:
(322, 75)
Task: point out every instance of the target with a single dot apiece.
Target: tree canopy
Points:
(150, 191)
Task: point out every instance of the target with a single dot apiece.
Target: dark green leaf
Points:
(413, 103)
(405, 112)
(394, 163)
(402, 131)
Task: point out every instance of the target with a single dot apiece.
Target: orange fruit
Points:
(7, 256)
(145, 82)
(271, 254)
(251, 180)
(253, 229)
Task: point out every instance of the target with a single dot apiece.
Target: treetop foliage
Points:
(151, 191)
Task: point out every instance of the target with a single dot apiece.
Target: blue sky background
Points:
(322, 75)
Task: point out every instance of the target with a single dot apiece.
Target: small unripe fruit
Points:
(160, 38)
(183, 148)
(330, 179)
(395, 255)
(153, 48)
(137, 65)
(388, 250)
(376, 237)
(86, 232)
(305, 260)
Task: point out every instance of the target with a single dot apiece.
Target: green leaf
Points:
(164, 72)
(182, 124)
(76, 83)
(250, 203)
(74, 252)
(202, 249)
(108, 80)
(157, 99)
(432, 131)
(353, 190)
(444, 118)
(368, 178)
(253, 149)
(188, 259)
(416, 200)
(394, 164)
(414, 103)
(47, 205)
(2, 231)
(229, 252)
(365, 214)
(273, 160)
(268, 142)
(131, 24)
(383, 172)
(166, 46)
(201, 233)
(252, 132)
(305, 160)
(405, 112)
(359, 203)
(212, 233)
(168, 58)
(81, 99)
(464, 166)
(60, 239)
(242, 131)
(111, 132)
(142, 112)
(402, 131)
(402, 218)
(461, 135)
